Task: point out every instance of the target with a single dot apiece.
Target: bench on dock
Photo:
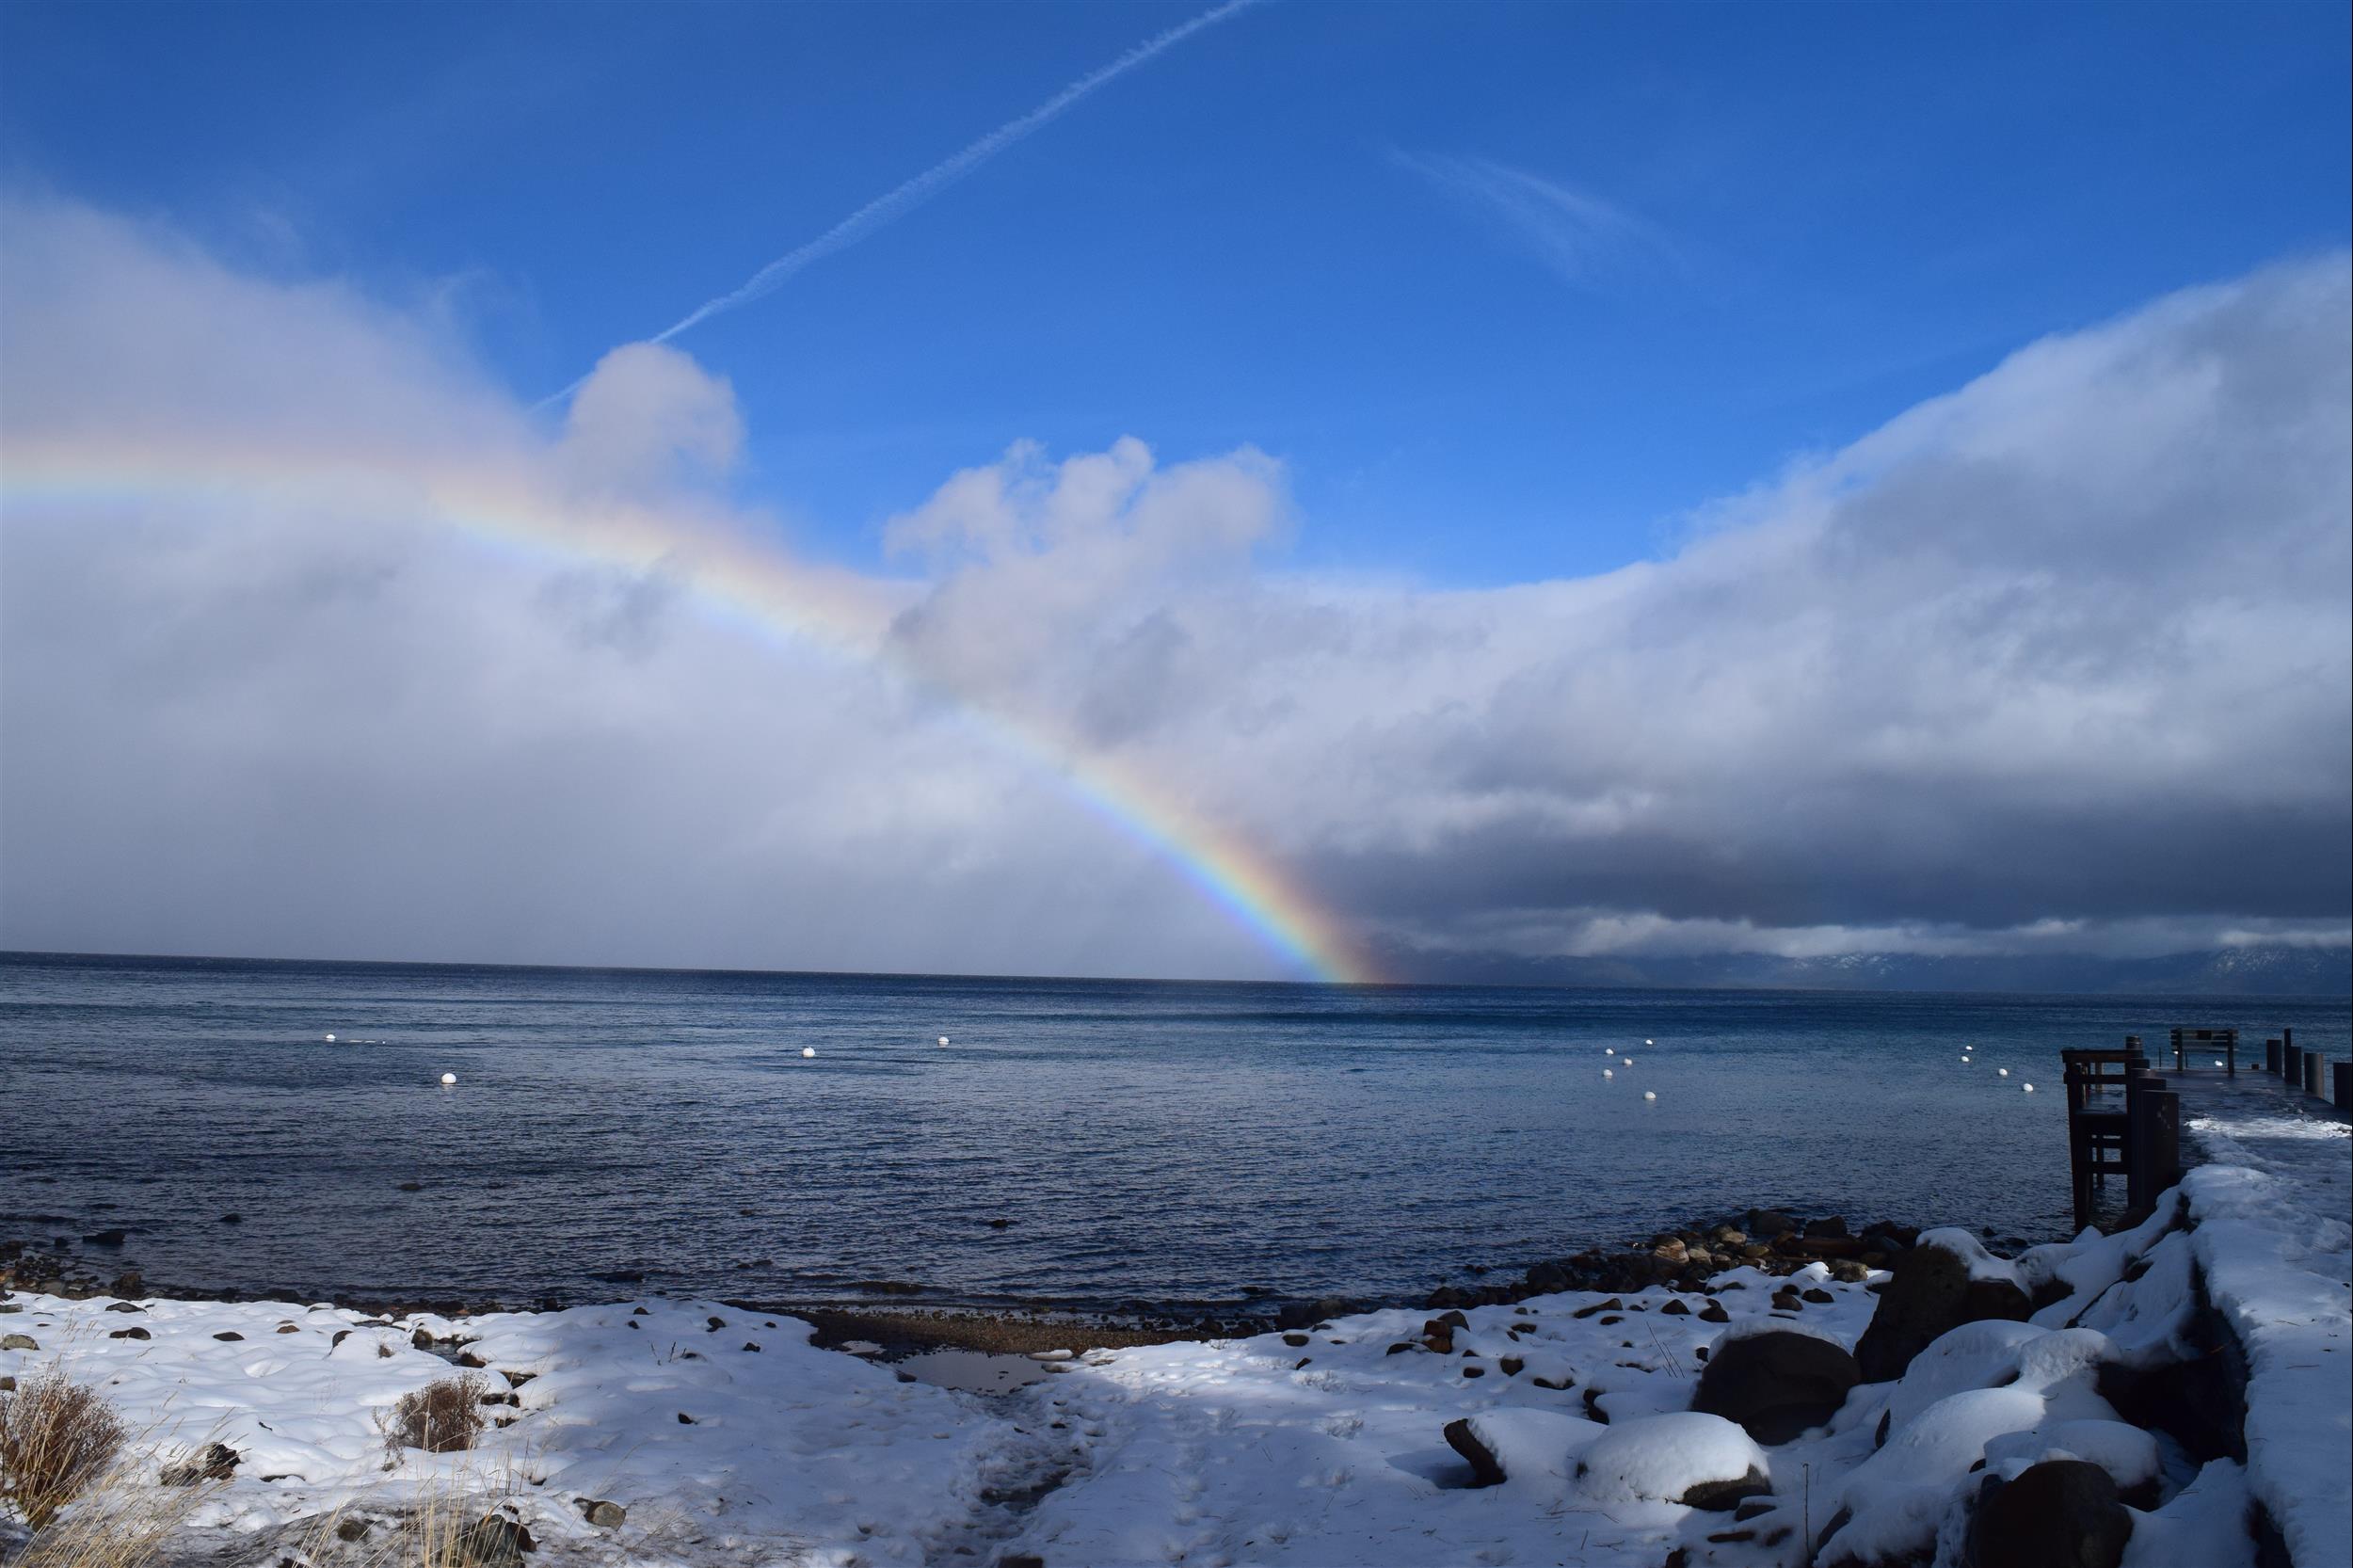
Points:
(2223, 1040)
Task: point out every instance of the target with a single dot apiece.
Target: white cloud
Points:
(2054, 663)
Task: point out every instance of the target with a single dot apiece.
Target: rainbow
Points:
(735, 577)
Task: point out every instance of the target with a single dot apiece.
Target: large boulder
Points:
(1944, 1280)
(2060, 1513)
(1697, 1460)
(1777, 1384)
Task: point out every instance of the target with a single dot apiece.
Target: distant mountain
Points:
(2248, 971)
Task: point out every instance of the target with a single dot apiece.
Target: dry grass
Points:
(120, 1522)
(57, 1437)
(442, 1418)
(442, 1519)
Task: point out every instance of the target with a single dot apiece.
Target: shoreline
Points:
(1706, 1415)
(1771, 1241)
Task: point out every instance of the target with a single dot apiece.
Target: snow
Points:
(1660, 1458)
(1313, 1448)
(2282, 1275)
(2206, 1524)
(1982, 1264)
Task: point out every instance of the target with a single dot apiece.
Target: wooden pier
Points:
(2124, 1117)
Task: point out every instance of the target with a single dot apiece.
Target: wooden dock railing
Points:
(2124, 1120)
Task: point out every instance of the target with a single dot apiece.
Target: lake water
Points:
(1161, 1141)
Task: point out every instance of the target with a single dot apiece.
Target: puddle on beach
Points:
(975, 1371)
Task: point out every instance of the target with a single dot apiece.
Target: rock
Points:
(130, 1334)
(1691, 1458)
(412, 1186)
(1309, 1314)
(232, 1219)
(229, 1333)
(290, 1328)
(1296, 1341)
(1817, 1296)
(1849, 1271)
(1714, 1313)
(2060, 1513)
(1486, 1470)
(1930, 1295)
(213, 1462)
(2200, 1399)
(125, 1307)
(18, 1342)
(495, 1542)
(1675, 1309)
(604, 1514)
(352, 1529)
(1776, 1385)
(1612, 1304)
(1437, 1334)
(1765, 1223)
(106, 1238)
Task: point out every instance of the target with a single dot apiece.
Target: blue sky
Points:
(1809, 219)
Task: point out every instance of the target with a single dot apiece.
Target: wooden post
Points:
(2154, 1138)
(2271, 1057)
(2344, 1095)
(2313, 1080)
(2079, 1148)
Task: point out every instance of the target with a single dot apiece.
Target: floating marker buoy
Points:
(330, 1039)
(1650, 1094)
(1650, 1042)
(1964, 1059)
(1606, 1073)
(449, 1080)
(2030, 1088)
(2004, 1071)
(809, 1050)
(1626, 1062)
(943, 1039)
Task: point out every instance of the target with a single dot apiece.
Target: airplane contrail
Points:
(913, 193)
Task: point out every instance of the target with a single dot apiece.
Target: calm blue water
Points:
(1148, 1141)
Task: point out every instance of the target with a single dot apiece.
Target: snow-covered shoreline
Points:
(727, 1437)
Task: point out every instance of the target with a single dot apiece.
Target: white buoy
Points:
(449, 1080)
(1650, 1094)
(1626, 1062)
(943, 1039)
(1964, 1059)
(2217, 1061)
(1606, 1073)
(2030, 1088)
(1650, 1042)
(2004, 1071)
(330, 1039)
(809, 1050)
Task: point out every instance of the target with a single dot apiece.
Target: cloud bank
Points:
(2058, 663)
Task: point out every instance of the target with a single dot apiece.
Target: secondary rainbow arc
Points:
(743, 580)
